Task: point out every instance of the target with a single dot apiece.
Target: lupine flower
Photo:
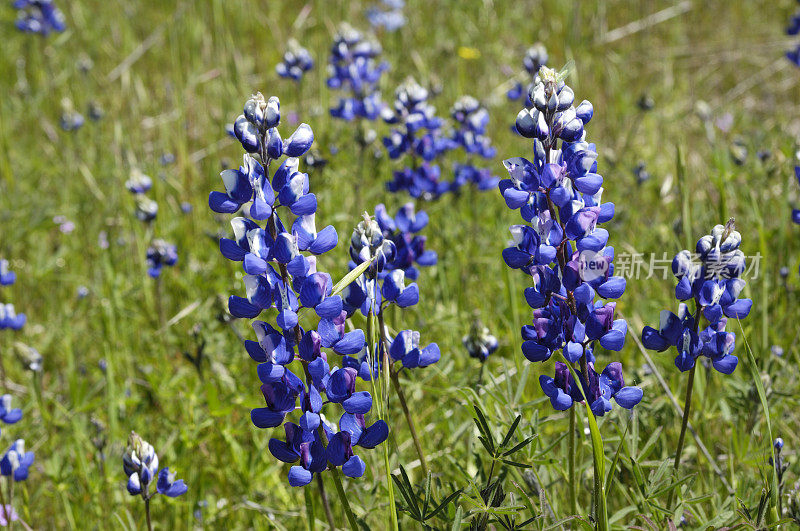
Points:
(296, 61)
(535, 58)
(39, 16)
(8, 414)
(146, 208)
(403, 232)
(16, 461)
(281, 272)
(138, 183)
(353, 66)
(140, 464)
(64, 225)
(7, 277)
(564, 250)
(160, 254)
(95, 112)
(388, 15)
(417, 133)
(795, 211)
(599, 388)
(471, 119)
(711, 278)
(793, 29)
(479, 342)
(7, 515)
(71, 120)
(640, 173)
(31, 359)
(8, 316)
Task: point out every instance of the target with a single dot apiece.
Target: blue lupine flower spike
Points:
(711, 277)
(140, 464)
(277, 240)
(39, 16)
(564, 251)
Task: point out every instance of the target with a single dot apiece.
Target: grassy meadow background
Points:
(170, 74)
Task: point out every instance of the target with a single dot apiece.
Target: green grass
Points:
(170, 75)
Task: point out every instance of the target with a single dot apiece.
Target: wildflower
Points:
(7, 277)
(711, 278)
(388, 15)
(139, 183)
(353, 66)
(640, 173)
(8, 414)
(472, 119)
(7, 515)
(95, 111)
(9, 318)
(535, 58)
(39, 16)
(140, 464)
(160, 254)
(146, 208)
(64, 225)
(564, 250)
(403, 232)
(296, 62)
(479, 342)
(16, 461)
(416, 132)
(280, 260)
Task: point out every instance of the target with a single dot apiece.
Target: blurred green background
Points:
(169, 75)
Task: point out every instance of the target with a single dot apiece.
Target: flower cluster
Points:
(388, 15)
(71, 120)
(403, 232)
(417, 133)
(296, 62)
(39, 16)
(16, 461)
(281, 274)
(564, 250)
(793, 29)
(353, 65)
(382, 285)
(795, 211)
(8, 316)
(471, 119)
(140, 463)
(160, 254)
(535, 58)
(479, 342)
(712, 279)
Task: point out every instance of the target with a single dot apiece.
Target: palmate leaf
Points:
(453, 496)
(519, 446)
(483, 427)
(511, 431)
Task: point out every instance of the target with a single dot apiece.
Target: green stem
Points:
(337, 481)
(687, 406)
(310, 517)
(325, 504)
(400, 394)
(573, 505)
(147, 514)
(402, 397)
